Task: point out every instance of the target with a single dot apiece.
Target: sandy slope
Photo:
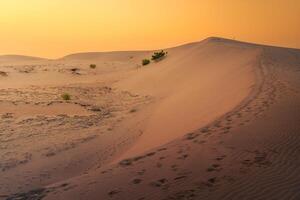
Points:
(246, 99)
(187, 95)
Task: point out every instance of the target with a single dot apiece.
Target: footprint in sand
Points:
(210, 182)
(183, 157)
(179, 178)
(136, 181)
(142, 172)
(191, 136)
(214, 167)
(113, 193)
(159, 183)
(220, 157)
(174, 167)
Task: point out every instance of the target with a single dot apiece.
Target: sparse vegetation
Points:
(157, 56)
(145, 62)
(66, 96)
(75, 70)
(93, 66)
(3, 73)
(133, 110)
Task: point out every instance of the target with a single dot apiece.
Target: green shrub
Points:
(66, 96)
(146, 62)
(157, 56)
(93, 66)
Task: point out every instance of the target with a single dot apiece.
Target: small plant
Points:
(145, 62)
(157, 56)
(74, 69)
(66, 96)
(3, 73)
(133, 110)
(93, 66)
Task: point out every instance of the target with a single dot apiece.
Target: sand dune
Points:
(216, 119)
(19, 58)
(106, 56)
(187, 96)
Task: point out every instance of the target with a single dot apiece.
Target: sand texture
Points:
(216, 119)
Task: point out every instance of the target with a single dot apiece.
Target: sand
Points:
(216, 119)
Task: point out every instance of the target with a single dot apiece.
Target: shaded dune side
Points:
(274, 137)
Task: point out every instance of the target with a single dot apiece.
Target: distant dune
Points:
(216, 119)
(18, 58)
(105, 56)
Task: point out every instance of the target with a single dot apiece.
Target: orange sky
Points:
(54, 28)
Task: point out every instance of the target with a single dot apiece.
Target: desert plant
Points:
(133, 110)
(66, 96)
(145, 62)
(74, 70)
(157, 56)
(93, 66)
(3, 73)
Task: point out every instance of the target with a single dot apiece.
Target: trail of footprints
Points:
(265, 94)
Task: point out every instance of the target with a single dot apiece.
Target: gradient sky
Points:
(54, 28)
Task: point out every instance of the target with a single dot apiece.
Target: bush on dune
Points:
(3, 73)
(93, 66)
(66, 96)
(157, 56)
(145, 62)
